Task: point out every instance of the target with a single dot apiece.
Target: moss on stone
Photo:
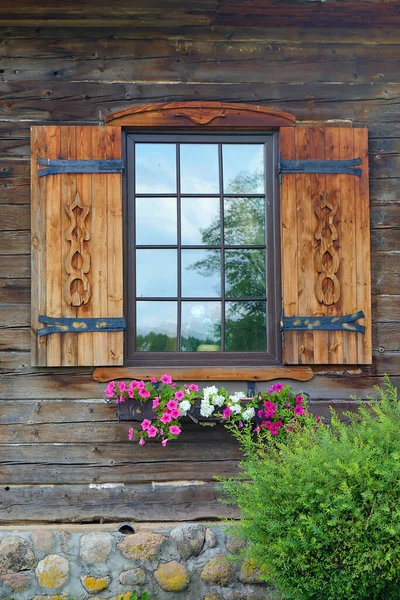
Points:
(172, 576)
(217, 570)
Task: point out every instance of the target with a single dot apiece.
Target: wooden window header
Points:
(218, 115)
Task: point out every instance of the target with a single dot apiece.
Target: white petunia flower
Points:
(184, 406)
(236, 397)
(248, 413)
(209, 391)
(218, 400)
(235, 408)
(206, 409)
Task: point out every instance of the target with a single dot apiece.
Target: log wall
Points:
(63, 456)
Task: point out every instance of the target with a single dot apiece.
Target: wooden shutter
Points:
(76, 246)
(325, 245)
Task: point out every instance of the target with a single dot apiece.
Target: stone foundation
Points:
(190, 561)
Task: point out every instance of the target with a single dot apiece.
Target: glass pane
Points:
(201, 273)
(201, 327)
(200, 221)
(156, 221)
(156, 273)
(243, 168)
(245, 273)
(155, 168)
(156, 326)
(245, 326)
(244, 221)
(199, 169)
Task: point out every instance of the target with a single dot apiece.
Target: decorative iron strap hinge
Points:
(345, 323)
(72, 325)
(79, 166)
(345, 167)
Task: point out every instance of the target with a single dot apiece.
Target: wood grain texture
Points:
(205, 374)
(305, 192)
(52, 222)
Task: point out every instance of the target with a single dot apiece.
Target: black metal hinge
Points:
(54, 167)
(345, 323)
(336, 167)
(72, 325)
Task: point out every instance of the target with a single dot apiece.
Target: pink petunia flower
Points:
(278, 387)
(156, 402)
(152, 431)
(110, 389)
(260, 413)
(226, 413)
(267, 424)
(298, 410)
(166, 417)
(141, 442)
(131, 392)
(175, 430)
(299, 399)
(318, 419)
(175, 413)
(153, 380)
(172, 404)
(274, 431)
(269, 405)
(141, 384)
(194, 387)
(287, 405)
(166, 379)
(133, 384)
(164, 442)
(269, 413)
(240, 425)
(122, 386)
(145, 424)
(179, 395)
(161, 432)
(143, 393)
(173, 385)
(130, 433)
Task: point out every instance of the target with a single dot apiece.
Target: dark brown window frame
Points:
(273, 355)
(205, 117)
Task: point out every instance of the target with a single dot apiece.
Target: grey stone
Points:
(141, 546)
(133, 577)
(217, 570)
(42, 539)
(17, 581)
(211, 538)
(52, 571)
(234, 544)
(189, 539)
(95, 547)
(15, 555)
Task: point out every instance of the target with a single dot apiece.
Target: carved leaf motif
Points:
(326, 256)
(201, 117)
(77, 290)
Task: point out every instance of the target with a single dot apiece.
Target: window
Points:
(201, 249)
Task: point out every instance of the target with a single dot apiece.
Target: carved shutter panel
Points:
(325, 246)
(76, 246)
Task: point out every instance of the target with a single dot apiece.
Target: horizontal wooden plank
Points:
(68, 412)
(206, 61)
(15, 290)
(14, 360)
(292, 34)
(19, 267)
(116, 502)
(15, 242)
(387, 362)
(384, 190)
(14, 315)
(385, 240)
(386, 335)
(15, 190)
(386, 309)
(385, 214)
(384, 166)
(15, 339)
(75, 384)
(84, 102)
(15, 217)
(385, 282)
(205, 374)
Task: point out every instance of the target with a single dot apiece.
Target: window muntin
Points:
(201, 250)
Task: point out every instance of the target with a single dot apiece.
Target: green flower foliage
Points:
(321, 509)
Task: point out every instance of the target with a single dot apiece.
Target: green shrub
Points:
(322, 510)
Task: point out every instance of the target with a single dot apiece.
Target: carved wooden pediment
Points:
(219, 115)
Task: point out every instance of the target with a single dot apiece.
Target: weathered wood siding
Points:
(62, 449)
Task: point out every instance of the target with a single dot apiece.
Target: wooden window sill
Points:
(300, 373)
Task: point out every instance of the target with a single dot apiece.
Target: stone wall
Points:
(190, 561)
